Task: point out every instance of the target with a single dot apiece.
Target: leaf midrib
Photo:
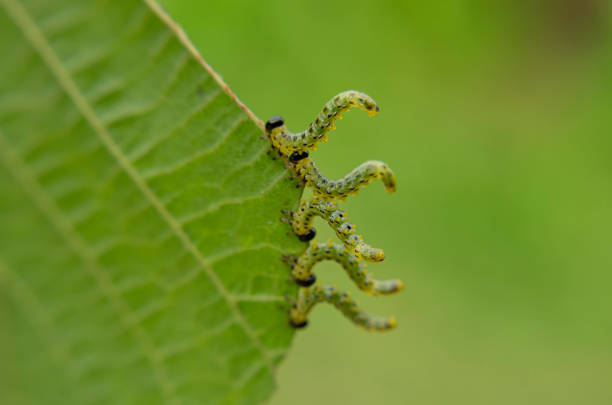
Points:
(35, 37)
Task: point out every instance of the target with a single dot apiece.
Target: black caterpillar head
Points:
(299, 325)
(308, 282)
(307, 237)
(274, 122)
(297, 156)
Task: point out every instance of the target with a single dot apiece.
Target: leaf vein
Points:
(32, 33)
(48, 207)
(203, 153)
(233, 201)
(35, 310)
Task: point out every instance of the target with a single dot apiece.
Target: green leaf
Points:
(140, 238)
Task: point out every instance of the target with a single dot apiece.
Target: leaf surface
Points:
(140, 235)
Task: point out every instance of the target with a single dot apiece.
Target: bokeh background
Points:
(497, 119)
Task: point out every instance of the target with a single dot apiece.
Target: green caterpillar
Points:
(327, 192)
(350, 184)
(295, 147)
(287, 142)
(302, 268)
(301, 221)
(309, 297)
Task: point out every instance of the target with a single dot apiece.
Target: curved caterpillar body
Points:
(302, 268)
(302, 219)
(295, 147)
(287, 142)
(308, 297)
(350, 184)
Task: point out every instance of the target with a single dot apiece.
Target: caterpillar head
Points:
(307, 237)
(278, 134)
(274, 122)
(298, 323)
(307, 282)
(297, 156)
(276, 131)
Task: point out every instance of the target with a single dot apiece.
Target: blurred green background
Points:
(497, 118)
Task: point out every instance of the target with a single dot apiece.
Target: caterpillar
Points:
(302, 268)
(350, 184)
(309, 297)
(296, 147)
(288, 143)
(301, 221)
